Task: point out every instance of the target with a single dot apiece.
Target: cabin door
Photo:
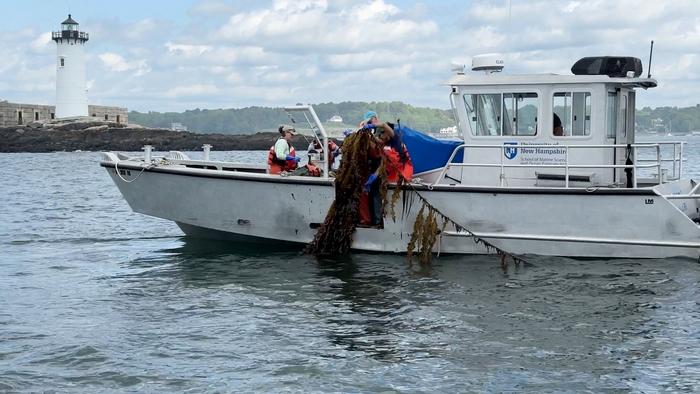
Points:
(624, 134)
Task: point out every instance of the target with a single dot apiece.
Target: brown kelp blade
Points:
(335, 235)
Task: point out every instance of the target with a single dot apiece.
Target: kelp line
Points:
(335, 235)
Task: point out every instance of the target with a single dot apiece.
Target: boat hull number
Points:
(649, 201)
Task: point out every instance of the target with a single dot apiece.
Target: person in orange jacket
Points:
(282, 156)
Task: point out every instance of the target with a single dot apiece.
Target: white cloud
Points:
(41, 43)
(313, 25)
(187, 50)
(223, 53)
(117, 63)
(191, 90)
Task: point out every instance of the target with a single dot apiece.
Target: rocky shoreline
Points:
(93, 135)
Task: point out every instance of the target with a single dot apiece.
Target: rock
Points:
(97, 128)
(19, 131)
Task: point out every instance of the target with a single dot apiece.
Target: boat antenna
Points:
(651, 51)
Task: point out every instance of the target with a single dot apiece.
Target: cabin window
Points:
(573, 110)
(611, 115)
(502, 114)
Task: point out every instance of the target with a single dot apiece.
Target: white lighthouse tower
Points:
(71, 94)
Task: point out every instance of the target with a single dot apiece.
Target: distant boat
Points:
(696, 132)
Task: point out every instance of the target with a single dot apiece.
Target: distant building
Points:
(15, 114)
(658, 124)
(178, 127)
(336, 119)
(449, 131)
(71, 93)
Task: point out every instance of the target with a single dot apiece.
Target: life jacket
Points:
(313, 170)
(275, 166)
(332, 147)
(395, 166)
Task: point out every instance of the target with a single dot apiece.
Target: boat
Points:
(546, 164)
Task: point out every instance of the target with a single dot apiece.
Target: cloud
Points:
(295, 25)
(117, 63)
(41, 43)
(195, 90)
(242, 53)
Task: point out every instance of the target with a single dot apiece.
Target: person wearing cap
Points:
(371, 120)
(398, 162)
(370, 204)
(282, 156)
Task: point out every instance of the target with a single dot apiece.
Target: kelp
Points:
(334, 237)
(430, 225)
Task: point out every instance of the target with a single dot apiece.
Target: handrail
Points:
(314, 124)
(636, 163)
(692, 194)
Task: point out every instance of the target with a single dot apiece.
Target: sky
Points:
(153, 55)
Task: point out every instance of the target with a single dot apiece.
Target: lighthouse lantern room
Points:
(71, 94)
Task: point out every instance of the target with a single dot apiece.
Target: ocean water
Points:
(96, 298)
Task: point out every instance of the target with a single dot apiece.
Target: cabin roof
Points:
(476, 79)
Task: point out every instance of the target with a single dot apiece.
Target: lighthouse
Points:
(71, 94)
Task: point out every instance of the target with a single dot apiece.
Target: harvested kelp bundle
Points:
(334, 237)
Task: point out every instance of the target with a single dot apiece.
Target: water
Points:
(95, 298)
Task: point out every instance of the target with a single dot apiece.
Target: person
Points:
(333, 151)
(556, 126)
(398, 162)
(370, 197)
(282, 156)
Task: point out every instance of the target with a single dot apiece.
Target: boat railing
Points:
(656, 161)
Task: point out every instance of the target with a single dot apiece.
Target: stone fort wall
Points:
(14, 114)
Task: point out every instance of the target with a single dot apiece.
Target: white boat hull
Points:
(571, 222)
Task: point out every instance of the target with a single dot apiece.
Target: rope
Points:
(143, 168)
(403, 183)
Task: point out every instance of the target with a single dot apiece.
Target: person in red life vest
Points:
(282, 156)
(370, 204)
(333, 151)
(398, 165)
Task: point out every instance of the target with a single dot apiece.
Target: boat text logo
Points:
(510, 152)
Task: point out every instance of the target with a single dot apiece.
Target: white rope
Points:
(143, 168)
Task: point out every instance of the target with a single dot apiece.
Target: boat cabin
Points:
(549, 130)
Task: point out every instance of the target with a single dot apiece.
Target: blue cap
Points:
(369, 115)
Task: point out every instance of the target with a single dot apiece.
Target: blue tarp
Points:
(428, 153)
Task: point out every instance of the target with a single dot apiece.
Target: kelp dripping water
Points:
(334, 237)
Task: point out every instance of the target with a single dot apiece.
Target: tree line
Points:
(254, 119)
(670, 119)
